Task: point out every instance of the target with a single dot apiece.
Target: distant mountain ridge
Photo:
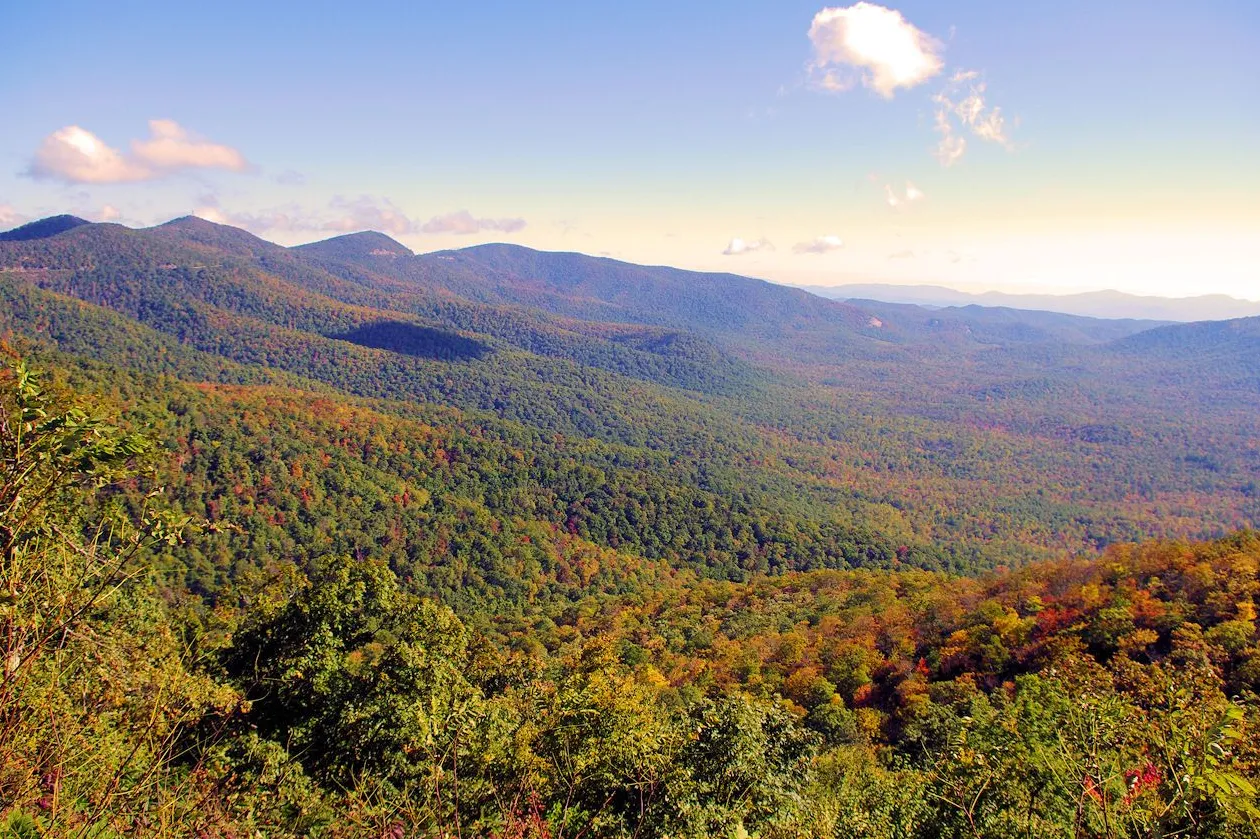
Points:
(1201, 339)
(749, 316)
(1095, 304)
(753, 315)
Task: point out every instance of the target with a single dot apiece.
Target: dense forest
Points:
(323, 695)
(341, 540)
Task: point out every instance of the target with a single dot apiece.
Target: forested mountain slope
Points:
(577, 690)
(956, 440)
(754, 315)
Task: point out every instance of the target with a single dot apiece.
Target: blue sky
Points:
(1106, 144)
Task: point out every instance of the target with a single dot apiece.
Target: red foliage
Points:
(1141, 778)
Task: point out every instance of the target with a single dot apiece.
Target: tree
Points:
(95, 695)
(363, 683)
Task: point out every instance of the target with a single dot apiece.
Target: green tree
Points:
(363, 684)
(95, 694)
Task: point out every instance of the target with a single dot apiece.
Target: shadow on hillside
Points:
(419, 341)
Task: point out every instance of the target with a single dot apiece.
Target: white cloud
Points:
(962, 101)
(911, 194)
(107, 213)
(10, 217)
(214, 214)
(170, 147)
(76, 155)
(288, 220)
(738, 246)
(950, 149)
(877, 43)
(821, 244)
(463, 223)
(368, 213)
(833, 81)
(350, 215)
(887, 53)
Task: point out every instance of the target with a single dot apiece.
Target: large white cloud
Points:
(877, 43)
(76, 155)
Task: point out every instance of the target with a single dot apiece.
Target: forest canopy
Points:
(327, 695)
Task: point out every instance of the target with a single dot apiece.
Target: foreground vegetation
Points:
(321, 689)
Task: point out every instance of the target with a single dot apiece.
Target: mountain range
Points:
(813, 432)
(1095, 304)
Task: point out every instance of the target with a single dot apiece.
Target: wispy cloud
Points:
(739, 247)
(350, 215)
(872, 43)
(463, 223)
(820, 244)
(960, 107)
(170, 147)
(908, 196)
(367, 212)
(107, 212)
(289, 219)
(10, 217)
(76, 155)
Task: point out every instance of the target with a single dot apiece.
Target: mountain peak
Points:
(198, 226)
(200, 231)
(43, 228)
(357, 246)
(191, 223)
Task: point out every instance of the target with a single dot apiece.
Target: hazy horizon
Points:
(979, 147)
(909, 285)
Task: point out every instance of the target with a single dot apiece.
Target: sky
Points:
(1034, 146)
